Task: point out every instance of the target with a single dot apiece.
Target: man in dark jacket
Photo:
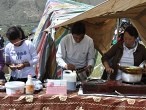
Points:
(128, 53)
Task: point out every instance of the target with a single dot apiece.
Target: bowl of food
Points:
(131, 69)
(131, 74)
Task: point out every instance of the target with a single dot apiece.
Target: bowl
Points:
(131, 69)
(131, 78)
(131, 74)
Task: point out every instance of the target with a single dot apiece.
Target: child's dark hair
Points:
(22, 32)
(15, 32)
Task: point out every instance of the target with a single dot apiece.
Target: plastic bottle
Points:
(80, 92)
(29, 85)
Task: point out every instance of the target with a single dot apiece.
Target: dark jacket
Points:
(114, 55)
(2, 63)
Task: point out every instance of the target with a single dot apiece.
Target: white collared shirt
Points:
(80, 54)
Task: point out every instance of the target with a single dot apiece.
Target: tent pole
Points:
(118, 24)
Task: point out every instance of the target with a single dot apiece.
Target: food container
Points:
(56, 87)
(131, 78)
(15, 87)
(131, 74)
(37, 84)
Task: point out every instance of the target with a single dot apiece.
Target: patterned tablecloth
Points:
(72, 101)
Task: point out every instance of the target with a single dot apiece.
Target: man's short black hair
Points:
(78, 28)
(131, 30)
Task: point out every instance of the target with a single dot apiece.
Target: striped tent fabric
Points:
(46, 41)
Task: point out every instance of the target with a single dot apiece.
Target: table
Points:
(72, 101)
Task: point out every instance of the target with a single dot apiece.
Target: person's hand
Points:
(20, 66)
(70, 67)
(109, 70)
(89, 69)
(13, 67)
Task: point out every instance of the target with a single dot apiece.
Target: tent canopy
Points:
(101, 20)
